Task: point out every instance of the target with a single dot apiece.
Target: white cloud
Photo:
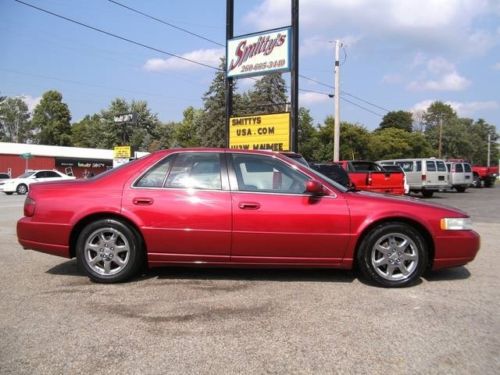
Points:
(31, 101)
(439, 75)
(392, 78)
(317, 44)
(447, 26)
(462, 108)
(308, 98)
(496, 66)
(206, 56)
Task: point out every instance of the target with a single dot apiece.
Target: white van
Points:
(424, 175)
(459, 175)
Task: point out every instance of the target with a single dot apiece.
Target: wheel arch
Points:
(83, 222)
(397, 220)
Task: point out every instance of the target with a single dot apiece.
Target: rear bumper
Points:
(46, 238)
(455, 249)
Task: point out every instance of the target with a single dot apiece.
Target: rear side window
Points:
(155, 177)
(196, 171)
(459, 168)
(431, 166)
(467, 167)
(51, 174)
(406, 166)
(440, 166)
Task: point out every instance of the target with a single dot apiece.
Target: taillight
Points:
(424, 177)
(29, 207)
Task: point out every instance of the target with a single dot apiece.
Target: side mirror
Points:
(314, 187)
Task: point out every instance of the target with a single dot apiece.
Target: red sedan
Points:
(238, 208)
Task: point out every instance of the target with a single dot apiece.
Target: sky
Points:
(396, 55)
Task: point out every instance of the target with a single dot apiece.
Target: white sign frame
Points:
(259, 53)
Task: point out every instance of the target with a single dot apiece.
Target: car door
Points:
(275, 221)
(183, 206)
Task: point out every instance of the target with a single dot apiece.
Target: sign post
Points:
(26, 156)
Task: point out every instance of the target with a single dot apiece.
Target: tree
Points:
(51, 120)
(14, 121)
(392, 143)
(269, 94)
(397, 119)
(88, 132)
(185, 134)
(307, 134)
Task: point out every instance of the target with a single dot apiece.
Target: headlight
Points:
(456, 223)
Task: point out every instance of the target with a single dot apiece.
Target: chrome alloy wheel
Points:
(394, 257)
(107, 251)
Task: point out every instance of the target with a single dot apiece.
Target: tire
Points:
(476, 182)
(392, 255)
(427, 193)
(489, 183)
(460, 189)
(21, 189)
(8, 193)
(109, 251)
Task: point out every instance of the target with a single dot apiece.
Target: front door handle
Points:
(249, 205)
(143, 201)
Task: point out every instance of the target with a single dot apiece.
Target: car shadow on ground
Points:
(448, 274)
(70, 268)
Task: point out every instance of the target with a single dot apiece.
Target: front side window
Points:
(196, 171)
(261, 173)
(406, 166)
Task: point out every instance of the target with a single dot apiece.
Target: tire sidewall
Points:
(135, 255)
(364, 254)
(18, 189)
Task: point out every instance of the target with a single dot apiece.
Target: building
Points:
(16, 158)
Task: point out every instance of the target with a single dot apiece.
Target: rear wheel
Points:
(489, 182)
(460, 189)
(427, 193)
(393, 255)
(22, 189)
(8, 193)
(109, 251)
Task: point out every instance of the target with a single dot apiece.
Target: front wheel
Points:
(22, 189)
(460, 189)
(427, 193)
(393, 255)
(109, 251)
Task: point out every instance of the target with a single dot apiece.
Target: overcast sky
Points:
(396, 55)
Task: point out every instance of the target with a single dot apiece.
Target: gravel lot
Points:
(53, 320)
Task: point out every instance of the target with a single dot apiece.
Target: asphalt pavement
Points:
(53, 320)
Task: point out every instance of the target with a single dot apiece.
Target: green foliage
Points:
(185, 133)
(51, 120)
(397, 119)
(88, 132)
(268, 95)
(393, 143)
(14, 121)
(307, 139)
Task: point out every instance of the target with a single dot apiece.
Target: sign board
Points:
(260, 132)
(122, 152)
(83, 163)
(259, 53)
(127, 117)
(26, 155)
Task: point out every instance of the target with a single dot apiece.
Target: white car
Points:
(20, 185)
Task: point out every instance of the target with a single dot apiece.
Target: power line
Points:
(166, 23)
(360, 106)
(116, 36)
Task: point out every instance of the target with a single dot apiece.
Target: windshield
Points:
(26, 174)
(329, 180)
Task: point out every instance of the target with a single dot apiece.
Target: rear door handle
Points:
(143, 201)
(249, 205)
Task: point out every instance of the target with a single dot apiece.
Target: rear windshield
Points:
(459, 168)
(467, 167)
(431, 166)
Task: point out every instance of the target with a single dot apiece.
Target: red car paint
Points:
(229, 227)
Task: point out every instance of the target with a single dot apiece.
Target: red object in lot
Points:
(223, 207)
(369, 176)
(484, 175)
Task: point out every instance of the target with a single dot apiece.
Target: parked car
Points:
(22, 183)
(334, 172)
(484, 176)
(238, 208)
(459, 175)
(4, 176)
(397, 168)
(424, 175)
(369, 176)
(295, 156)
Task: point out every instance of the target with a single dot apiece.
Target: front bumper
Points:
(455, 248)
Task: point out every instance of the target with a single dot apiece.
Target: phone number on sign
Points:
(263, 66)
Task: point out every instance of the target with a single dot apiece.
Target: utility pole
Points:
(489, 151)
(229, 80)
(336, 130)
(440, 137)
(295, 76)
